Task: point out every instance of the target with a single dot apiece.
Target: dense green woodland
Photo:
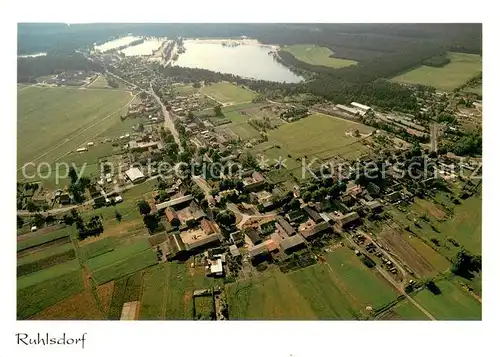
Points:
(369, 39)
(28, 69)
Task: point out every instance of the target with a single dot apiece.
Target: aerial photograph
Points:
(249, 171)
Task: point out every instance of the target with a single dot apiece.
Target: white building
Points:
(363, 107)
(135, 175)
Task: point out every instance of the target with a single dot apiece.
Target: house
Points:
(206, 226)
(258, 251)
(254, 182)
(393, 196)
(174, 202)
(374, 206)
(237, 238)
(294, 216)
(64, 199)
(313, 214)
(99, 201)
(172, 216)
(135, 175)
(234, 251)
(253, 236)
(347, 220)
(310, 229)
(292, 244)
(285, 228)
(373, 189)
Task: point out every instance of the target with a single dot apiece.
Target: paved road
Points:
(55, 211)
(169, 123)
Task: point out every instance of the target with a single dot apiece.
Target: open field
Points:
(227, 93)
(340, 290)
(53, 121)
(244, 130)
(125, 266)
(184, 89)
(45, 263)
(82, 306)
(44, 253)
(358, 281)
(125, 289)
(204, 307)
(461, 68)
(33, 239)
(452, 304)
(326, 299)
(405, 310)
(422, 259)
(100, 82)
(48, 273)
(317, 136)
(270, 296)
(464, 225)
(477, 89)
(117, 254)
(167, 293)
(34, 298)
(316, 55)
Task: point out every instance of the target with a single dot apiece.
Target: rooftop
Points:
(292, 241)
(174, 202)
(134, 174)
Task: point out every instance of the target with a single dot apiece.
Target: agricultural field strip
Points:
(78, 133)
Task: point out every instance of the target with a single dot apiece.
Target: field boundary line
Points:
(79, 133)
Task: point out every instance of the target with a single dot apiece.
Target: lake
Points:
(147, 48)
(39, 54)
(249, 60)
(122, 41)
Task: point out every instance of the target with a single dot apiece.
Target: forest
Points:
(28, 69)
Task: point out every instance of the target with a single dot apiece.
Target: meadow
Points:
(99, 82)
(227, 93)
(34, 239)
(453, 303)
(36, 297)
(316, 55)
(462, 67)
(125, 266)
(55, 121)
(339, 290)
(167, 291)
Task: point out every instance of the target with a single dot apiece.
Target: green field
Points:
(464, 226)
(405, 310)
(100, 82)
(341, 290)
(461, 68)
(359, 281)
(125, 289)
(317, 136)
(126, 266)
(227, 93)
(37, 238)
(452, 304)
(167, 293)
(47, 274)
(36, 297)
(316, 55)
(244, 130)
(184, 89)
(271, 296)
(117, 254)
(45, 253)
(54, 121)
